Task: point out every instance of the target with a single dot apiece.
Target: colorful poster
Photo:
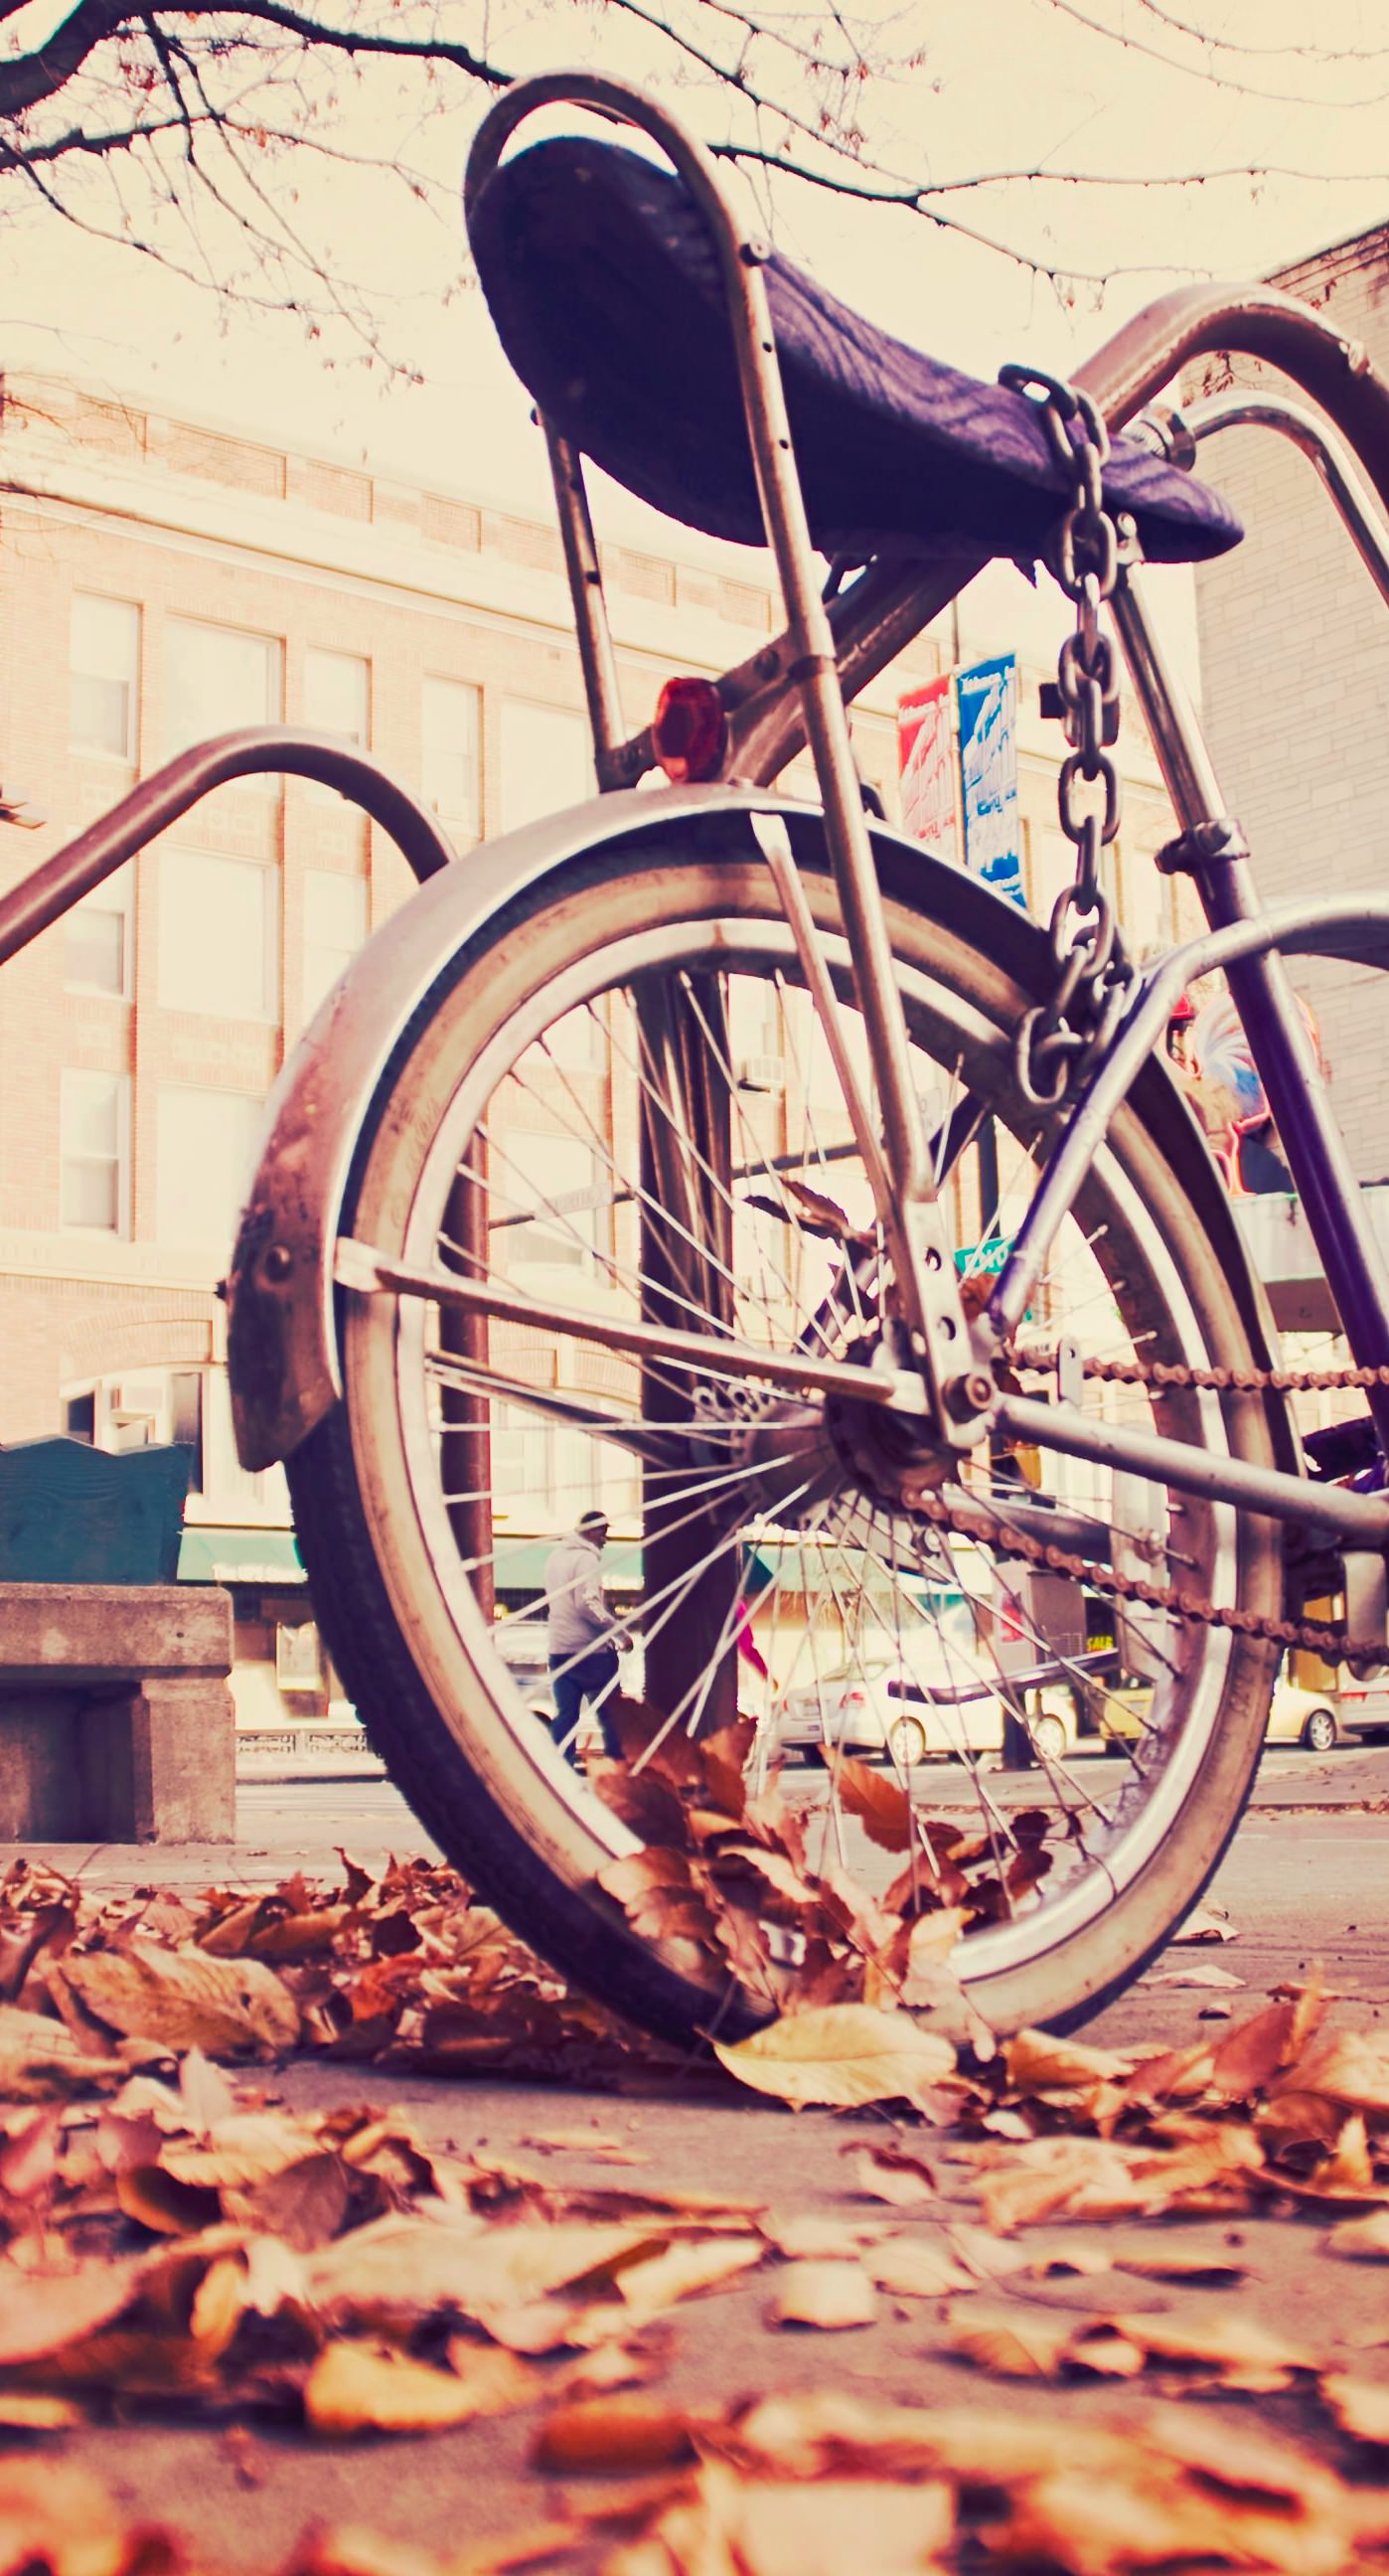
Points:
(987, 697)
(926, 768)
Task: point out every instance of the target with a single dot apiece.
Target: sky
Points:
(1000, 85)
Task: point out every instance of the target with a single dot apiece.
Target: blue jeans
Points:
(592, 1678)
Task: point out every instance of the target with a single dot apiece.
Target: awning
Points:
(211, 1555)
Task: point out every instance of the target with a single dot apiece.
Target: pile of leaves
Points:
(725, 1878)
(407, 1967)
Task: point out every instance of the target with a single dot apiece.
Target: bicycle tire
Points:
(390, 1604)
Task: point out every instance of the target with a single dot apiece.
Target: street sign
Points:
(983, 1259)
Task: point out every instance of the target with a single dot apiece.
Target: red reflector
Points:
(689, 730)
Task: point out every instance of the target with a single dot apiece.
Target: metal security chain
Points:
(1062, 1035)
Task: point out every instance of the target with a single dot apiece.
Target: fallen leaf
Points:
(823, 2294)
(1367, 2239)
(612, 2436)
(187, 1999)
(891, 2174)
(1360, 2406)
(1195, 1975)
(841, 2053)
(358, 2387)
(683, 2269)
(910, 2268)
(1204, 1923)
(41, 2312)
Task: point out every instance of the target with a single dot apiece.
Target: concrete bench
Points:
(116, 1717)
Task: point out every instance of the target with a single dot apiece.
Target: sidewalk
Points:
(298, 1824)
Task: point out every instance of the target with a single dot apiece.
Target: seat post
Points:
(592, 626)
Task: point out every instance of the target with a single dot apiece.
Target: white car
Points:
(888, 1708)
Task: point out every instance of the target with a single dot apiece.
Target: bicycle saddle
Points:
(603, 282)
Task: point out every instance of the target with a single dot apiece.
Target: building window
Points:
(105, 671)
(94, 1152)
(450, 754)
(547, 761)
(298, 1656)
(186, 1420)
(218, 936)
(207, 1143)
(335, 926)
(79, 1417)
(217, 678)
(337, 701)
(97, 938)
(560, 1178)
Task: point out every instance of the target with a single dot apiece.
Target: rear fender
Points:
(282, 1344)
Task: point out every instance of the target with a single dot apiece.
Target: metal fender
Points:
(282, 1346)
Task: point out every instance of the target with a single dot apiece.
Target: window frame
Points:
(269, 1013)
(69, 1077)
(129, 757)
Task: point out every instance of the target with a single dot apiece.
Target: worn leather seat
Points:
(603, 282)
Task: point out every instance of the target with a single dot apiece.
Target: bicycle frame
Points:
(794, 691)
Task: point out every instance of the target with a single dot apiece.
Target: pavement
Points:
(1305, 1886)
(298, 1820)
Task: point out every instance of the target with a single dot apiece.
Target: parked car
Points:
(1364, 1705)
(886, 1707)
(1313, 1719)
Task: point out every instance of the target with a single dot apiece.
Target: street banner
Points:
(926, 768)
(987, 697)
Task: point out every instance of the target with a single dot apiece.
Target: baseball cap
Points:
(592, 1521)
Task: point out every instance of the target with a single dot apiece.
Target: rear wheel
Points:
(906, 1743)
(616, 1109)
(1319, 1733)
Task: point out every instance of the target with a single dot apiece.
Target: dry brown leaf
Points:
(1018, 2342)
(823, 2294)
(42, 2060)
(1367, 2239)
(304, 2204)
(586, 2142)
(683, 2269)
(1350, 2067)
(1252, 2354)
(812, 2239)
(21, 2414)
(1360, 2406)
(403, 2268)
(240, 2151)
(841, 2054)
(612, 2436)
(1204, 1923)
(1037, 2062)
(1213, 2271)
(891, 2174)
(359, 2387)
(911, 2268)
(727, 2525)
(1195, 1975)
(187, 1999)
(40, 2313)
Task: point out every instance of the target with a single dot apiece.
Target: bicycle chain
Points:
(1319, 1636)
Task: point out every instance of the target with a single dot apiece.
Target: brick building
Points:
(1294, 643)
(161, 580)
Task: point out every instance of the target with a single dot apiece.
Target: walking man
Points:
(582, 1641)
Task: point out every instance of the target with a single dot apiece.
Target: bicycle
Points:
(771, 1360)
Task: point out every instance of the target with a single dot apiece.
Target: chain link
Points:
(1062, 1035)
(1319, 1636)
